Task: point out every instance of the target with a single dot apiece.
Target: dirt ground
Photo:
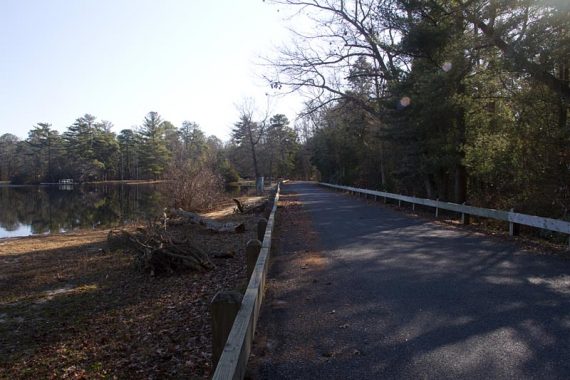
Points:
(296, 256)
(69, 309)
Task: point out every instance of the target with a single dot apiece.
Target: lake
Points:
(33, 210)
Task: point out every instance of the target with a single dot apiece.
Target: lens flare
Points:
(405, 101)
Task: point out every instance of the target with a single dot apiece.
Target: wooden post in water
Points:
(251, 254)
(223, 309)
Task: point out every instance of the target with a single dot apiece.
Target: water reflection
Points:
(29, 210)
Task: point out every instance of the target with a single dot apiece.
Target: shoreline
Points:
(73, 306)
(125, 182)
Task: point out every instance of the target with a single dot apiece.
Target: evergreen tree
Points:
(154, 153)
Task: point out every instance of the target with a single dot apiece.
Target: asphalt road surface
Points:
(391, 296)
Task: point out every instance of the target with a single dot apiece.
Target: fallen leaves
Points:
(73, 311)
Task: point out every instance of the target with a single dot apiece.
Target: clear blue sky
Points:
(119, 59)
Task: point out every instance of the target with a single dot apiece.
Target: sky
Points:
(193, 60)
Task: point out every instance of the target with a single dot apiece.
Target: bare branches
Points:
(319, 62)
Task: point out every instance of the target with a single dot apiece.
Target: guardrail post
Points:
(223, 310)
(251, 254)
(399, 202)
(261, 225)
(413, 207)
(514, 228)
(437, 207)
(464, 217)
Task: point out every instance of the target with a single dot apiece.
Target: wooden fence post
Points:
(514, 228)
(223, 309)
(437, 207)
(464, 217)
(251, 254)
(267, 210)
(261, 225)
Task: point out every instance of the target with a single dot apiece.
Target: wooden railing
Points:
(514, 218)
(233, 361)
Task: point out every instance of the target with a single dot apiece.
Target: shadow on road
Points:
(401, 297)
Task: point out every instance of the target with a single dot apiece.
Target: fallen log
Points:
(254, 208)
(210, 224)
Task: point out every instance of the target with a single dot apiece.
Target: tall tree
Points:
(280, 146)
(44, 147)
(8, 156)
(129, 158)
(193, 140)
(155, 155)
(80, 147)
(248, 134)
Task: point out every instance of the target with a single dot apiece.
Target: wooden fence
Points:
(514, 218)
(233, 361)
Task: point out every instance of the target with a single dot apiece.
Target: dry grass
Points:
(70, 309)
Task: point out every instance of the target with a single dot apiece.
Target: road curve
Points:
(398, 297)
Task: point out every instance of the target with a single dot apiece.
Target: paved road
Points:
(397, 297)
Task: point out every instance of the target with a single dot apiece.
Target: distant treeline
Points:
(90, 151)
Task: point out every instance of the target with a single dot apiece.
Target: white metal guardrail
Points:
(507, 216)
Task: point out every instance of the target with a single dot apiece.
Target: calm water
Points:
(30, 210)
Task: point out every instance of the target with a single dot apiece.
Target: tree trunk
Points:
(429, 187)
(564, 72)
(460, 183)
(382, 169)
(460, 191)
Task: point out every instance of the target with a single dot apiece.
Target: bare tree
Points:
(249, 133)
(319, 62)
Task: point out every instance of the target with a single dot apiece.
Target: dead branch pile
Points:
(157, 252)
